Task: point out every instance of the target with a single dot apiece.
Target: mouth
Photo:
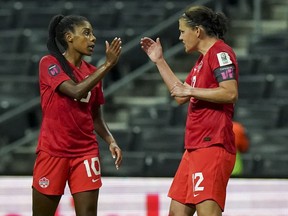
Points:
(91, 47)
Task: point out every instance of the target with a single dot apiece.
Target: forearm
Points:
(91, 81)
(167, 74)
(170, 79)
(215, 95)
(103, 131)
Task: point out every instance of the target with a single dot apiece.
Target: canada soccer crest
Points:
(44, 182)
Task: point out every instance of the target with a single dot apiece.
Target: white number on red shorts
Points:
(92, 166)
(197, 179)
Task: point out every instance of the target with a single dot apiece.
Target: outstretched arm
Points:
(154, 51)
(81, 89)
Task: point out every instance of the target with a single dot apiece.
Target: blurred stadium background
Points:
(147, 124)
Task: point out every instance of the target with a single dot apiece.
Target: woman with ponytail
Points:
(211, 89)
(71, 101)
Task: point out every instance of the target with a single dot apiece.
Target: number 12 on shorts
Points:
(197, 179)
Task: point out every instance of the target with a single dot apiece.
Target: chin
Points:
(189, 51)
(88, 54)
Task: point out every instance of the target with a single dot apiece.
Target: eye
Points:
(86, 33)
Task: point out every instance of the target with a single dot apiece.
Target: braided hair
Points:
(56, 43)
(214, 23)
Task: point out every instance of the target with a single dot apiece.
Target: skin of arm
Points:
(103, 131)
(154, 51)
(226, 92)
(81, 89)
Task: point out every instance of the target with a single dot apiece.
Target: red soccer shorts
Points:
(203, 174)
(51, 174)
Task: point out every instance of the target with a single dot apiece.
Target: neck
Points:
(73, 59)
(206, 45)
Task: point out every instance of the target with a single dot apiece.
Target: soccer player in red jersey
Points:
(71, 100)
(211, 89)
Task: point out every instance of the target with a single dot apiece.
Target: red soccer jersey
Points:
(211, 123)
(67, 128)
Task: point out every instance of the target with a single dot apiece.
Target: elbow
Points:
(180, 101)
(72, 90)
(233, 97)
(79, 94)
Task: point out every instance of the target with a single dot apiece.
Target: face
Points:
(189, 36)
(82, 40)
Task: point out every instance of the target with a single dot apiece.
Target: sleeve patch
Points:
(54, 70)
(223, 59)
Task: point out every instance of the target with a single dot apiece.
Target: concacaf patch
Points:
(223, 59)
(53, 70)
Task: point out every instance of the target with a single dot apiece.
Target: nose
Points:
(93, 38)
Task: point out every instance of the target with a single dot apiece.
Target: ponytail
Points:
(53, 48)
(220, 24)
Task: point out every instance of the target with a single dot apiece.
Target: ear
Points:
(199, 31)
(69, 37)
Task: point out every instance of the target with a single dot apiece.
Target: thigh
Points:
(178, 190)
(86, 203)
(179, 209)
(50, 174)
(44, 205)
(208, 208)
(85, 174)
(210, 171)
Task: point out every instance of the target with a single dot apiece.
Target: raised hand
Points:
(152, 48)
(113, 51)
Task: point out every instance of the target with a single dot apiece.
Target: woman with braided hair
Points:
(211, 89)
(71, 100)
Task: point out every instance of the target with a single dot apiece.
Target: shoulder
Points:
(51, 64)
(222, 53)
(48, 59)
(221, 46)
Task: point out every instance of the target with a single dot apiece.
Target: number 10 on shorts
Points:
(92, 166)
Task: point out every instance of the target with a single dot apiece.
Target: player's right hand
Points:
(113, 51)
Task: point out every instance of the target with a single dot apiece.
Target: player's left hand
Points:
(180, 90)
(116, 154)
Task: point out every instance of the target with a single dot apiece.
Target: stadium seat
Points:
(6, 17)
(253, 87)
(10, 41)
(133, 164)
(163, 139)
(248, 65)
(164, 165)
(279, 88)
(15, 64)
(258, 115)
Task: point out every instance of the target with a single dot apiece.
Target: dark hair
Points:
(215, 24)
(58, 27)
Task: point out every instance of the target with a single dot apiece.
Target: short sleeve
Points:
(51, 73)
